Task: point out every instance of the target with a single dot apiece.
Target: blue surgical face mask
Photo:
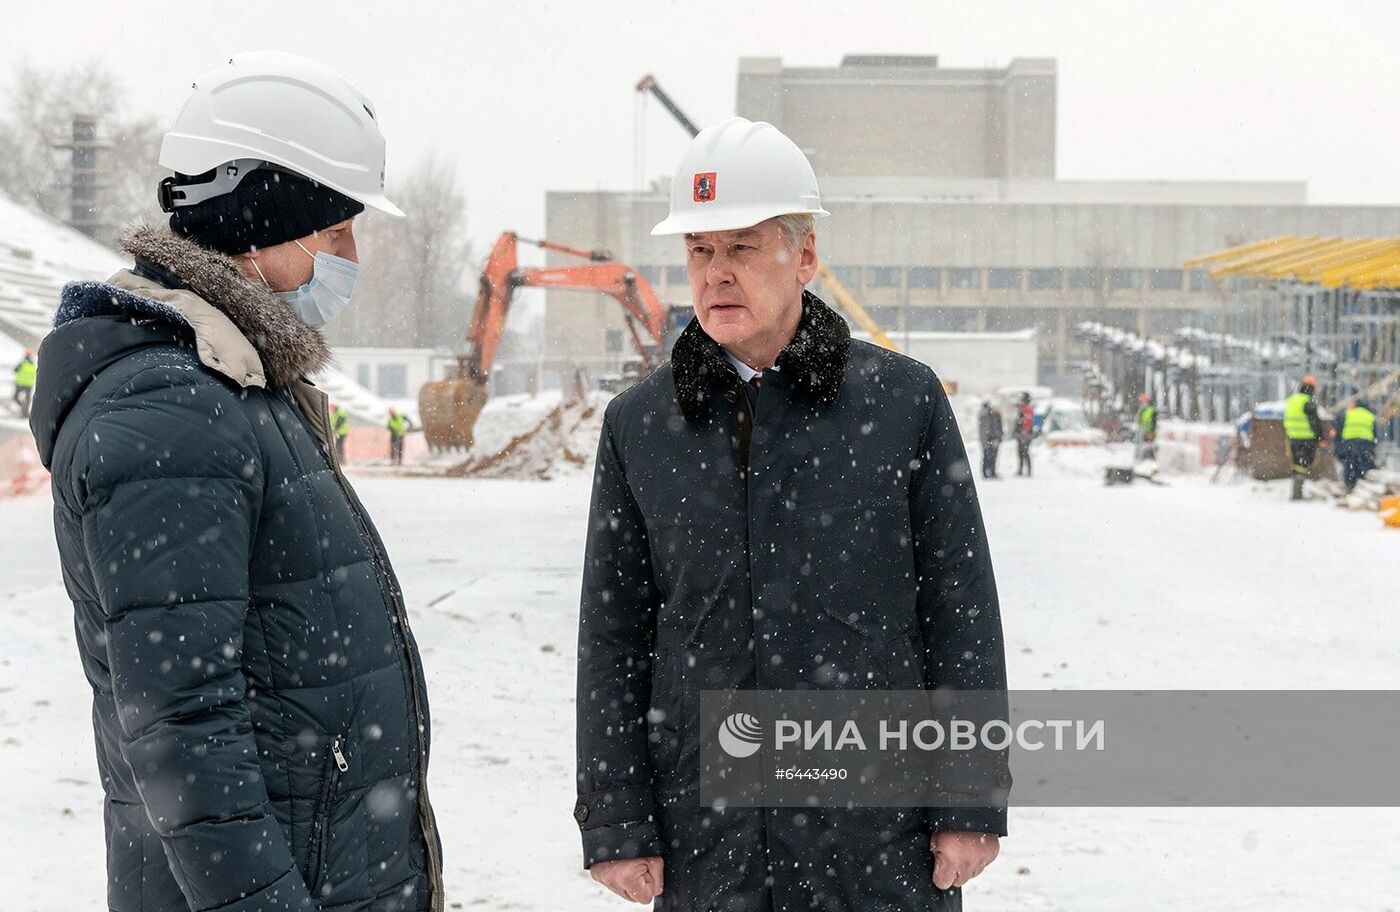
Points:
(323, 298)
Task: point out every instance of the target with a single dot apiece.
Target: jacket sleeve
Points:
(959, 615)
(1318, 428)
(172, 495)
(616, 807)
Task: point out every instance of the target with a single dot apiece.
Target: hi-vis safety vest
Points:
(340, 422)
(1295, 421)
(1360, 424)
(25, 374)
(398, 425)
(1147, 415)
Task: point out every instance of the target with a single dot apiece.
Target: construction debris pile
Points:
(565, 437)
(528, 438)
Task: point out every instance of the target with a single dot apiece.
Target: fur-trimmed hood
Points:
(241, 329)
(815, 359)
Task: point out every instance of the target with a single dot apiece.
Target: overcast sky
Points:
(528, 96)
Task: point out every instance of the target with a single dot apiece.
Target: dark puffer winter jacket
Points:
(258, 699)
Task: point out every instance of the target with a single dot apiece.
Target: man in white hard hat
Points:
(259, 706)
(778, 507)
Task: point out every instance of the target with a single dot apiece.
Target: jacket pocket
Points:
(857, 565)
(336, 766)
(664, 714)
(906, 670)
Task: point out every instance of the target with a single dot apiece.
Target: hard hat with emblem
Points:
(736, 174)
(279, 108)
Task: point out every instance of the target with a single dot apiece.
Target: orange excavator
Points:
(449, 408)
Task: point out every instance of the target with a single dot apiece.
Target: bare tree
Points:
(413, 290)
(34, 166)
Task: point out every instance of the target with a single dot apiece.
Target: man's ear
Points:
(248, 265)
(807, 259)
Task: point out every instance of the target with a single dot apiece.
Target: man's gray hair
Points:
(795, 227)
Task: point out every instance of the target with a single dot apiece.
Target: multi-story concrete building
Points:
(946, 214)
(907, 116)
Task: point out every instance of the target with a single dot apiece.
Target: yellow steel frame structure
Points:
(1362, 263)
(848, 302)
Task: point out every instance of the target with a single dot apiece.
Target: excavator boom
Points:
(449, 408)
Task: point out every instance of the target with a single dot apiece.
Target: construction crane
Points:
(648, 84)
(449, 408)
(842, 295)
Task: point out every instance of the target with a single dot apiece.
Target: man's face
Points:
(287, 266)
(746, 284)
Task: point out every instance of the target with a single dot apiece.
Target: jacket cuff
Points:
(617, 823)
(640, 839)
(968, 820)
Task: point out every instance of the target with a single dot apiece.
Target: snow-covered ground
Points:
(1185, 585)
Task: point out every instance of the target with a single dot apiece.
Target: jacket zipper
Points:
(323, 813)
(751, 420)
(426, 818)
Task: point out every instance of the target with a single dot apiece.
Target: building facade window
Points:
(362, 376)
(882, 276)
(1121, 317)
(392, 381)
(942, 319)
(651, 273)
(964, 278)
(848, 276)
(612, 341)
(1085, 279)
(676, 275)
(1165, 279)
(1126, 278)
(925, 277)
(1003, 279)
(1044, 280)
(887, 316)
(1200, 280)
(1010, 319)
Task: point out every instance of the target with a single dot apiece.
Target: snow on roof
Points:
(39, 254)
(52, 244)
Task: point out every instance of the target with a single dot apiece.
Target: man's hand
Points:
(959, 857)
(637, 879)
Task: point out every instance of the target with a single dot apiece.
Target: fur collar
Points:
(286, 348)
(815, 359)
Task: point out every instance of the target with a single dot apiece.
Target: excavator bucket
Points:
(449, 410)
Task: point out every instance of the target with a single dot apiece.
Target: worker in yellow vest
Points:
(1357, 449)
(1147, 426)
(340, 426)
(25, 372)
(398, 430)
(1303, 429)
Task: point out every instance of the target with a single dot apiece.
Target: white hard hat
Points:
(286, 110)
(736, 174)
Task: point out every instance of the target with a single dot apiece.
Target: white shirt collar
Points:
(746, 373)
